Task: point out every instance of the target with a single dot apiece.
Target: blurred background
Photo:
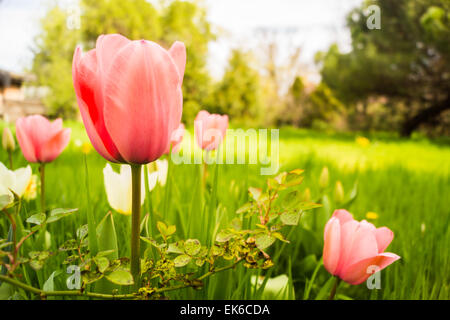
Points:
(360, 92)
(266, 63)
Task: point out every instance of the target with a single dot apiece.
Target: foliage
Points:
(238, 93)
(177, 261)
(407, 61)
(176, 20)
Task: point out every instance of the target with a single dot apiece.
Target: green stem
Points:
(135, 222)
(11, 167)
(42, 172)
(333, 290)
(14, 237)
(93, 247)
(45, 294)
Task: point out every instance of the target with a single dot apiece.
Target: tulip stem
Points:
(333, 290)
(10, 160)
(42, 172)
(135, 222)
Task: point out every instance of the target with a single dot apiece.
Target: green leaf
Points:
(290, 218)
(255, 193)
(121, 277)
(246, 207)
(59, 213)
(293, 181)
(49, 285)
(176, 247)
(326, 289)
(82, 232)
(102, 263)
(36, 264)
(224, 235)
(162, 228)
(38, 218)
(107, 242)
(192, 247)
(171, 230)
(181, 260)
(106, 235)
(264, 241)
(5, 244)
(71, 244)
(91, 277)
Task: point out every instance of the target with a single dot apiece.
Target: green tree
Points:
(135, 19)
(407, 61)
(238, 93)
(52, 63)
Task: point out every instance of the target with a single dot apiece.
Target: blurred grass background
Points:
(405, 182)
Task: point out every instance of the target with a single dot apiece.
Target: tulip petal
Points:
(358, 272)
(118, 188)
(384, 237)
(143, 101)
(332, 245)
(51, 149)
(364, 245)
(343, 215)
(107, 46)
(23, 178)
(348, 231)
(7, 177)
(178, 54)
(163, 166)
(6, 197)
(25, 142)
(90, 102)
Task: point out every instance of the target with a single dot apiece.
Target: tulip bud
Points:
(8, 140)
(307, 195)
(324, 178)
(338, 192)
(48, 240)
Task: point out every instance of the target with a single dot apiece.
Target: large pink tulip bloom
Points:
(175, 139)
(210, 129)
(351, 247)
(129, 95)
(41, 140)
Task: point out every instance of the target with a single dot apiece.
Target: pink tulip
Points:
(175, 139)
(129, 95)
(210, 129)
(41, 140)
(351, 247)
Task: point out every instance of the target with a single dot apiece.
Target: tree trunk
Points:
(424, 116)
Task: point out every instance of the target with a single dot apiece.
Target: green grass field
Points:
(406, 182)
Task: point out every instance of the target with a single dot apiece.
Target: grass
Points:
(406, 182)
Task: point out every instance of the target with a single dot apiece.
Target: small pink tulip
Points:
(41, 140)
(129, 95)
(175, 139)
(351, 247)
(210, 129)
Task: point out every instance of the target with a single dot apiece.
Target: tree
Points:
(52, 62)
(238, 93)
(135, 19)
(407, 61)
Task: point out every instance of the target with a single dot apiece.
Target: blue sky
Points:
(312, 25)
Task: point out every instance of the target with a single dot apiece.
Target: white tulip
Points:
(157, 172)
(17, 180)
(6, 197)
(119, 188)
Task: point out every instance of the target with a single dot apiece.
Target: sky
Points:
(310, 25)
